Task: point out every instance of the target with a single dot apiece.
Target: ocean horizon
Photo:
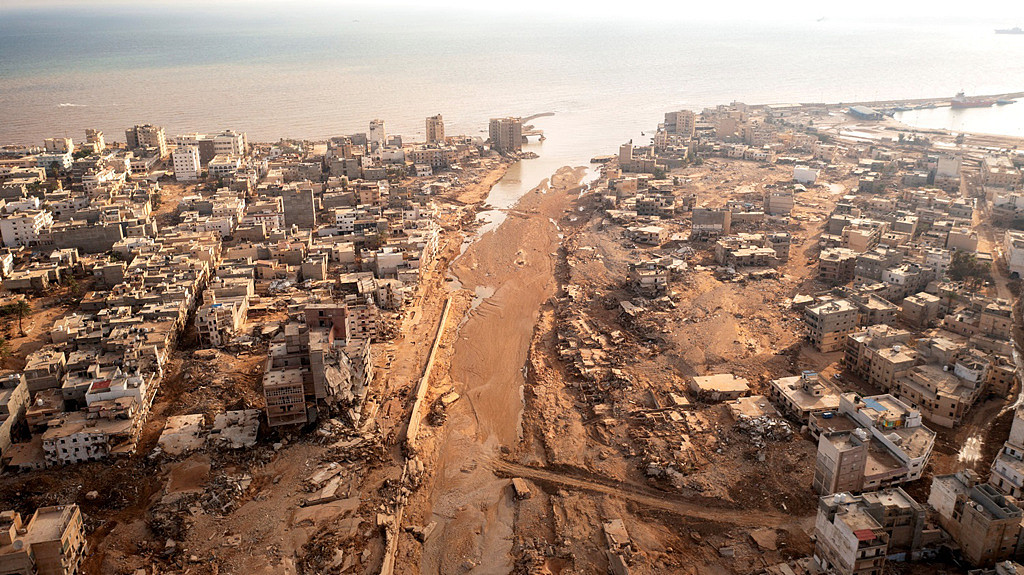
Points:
(316, 74)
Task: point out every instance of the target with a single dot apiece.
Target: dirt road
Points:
(645, 496)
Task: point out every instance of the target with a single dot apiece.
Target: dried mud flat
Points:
(503, 278)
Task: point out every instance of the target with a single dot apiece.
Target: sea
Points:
(315, 70)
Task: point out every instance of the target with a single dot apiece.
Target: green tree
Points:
(20, 309)
(965, 267)
(74, 288)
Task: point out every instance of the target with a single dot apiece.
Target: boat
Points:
(1014, 30)
(1004, 101)
(962, 101)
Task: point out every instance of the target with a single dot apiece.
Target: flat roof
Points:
(48, 523)
(721, 382)
(792, 388)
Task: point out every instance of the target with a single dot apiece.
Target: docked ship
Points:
(962, 101)
(1016, 30)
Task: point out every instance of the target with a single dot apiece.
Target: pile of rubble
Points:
(764, 428)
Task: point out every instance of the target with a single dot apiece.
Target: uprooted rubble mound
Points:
(764, 428)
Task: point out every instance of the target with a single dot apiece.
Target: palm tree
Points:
(20, 309)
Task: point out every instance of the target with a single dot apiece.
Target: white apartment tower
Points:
(435, 129)
(186, 163)
(59, 145)
(147, 136)
(229, 143)
(95, 137)
(23, 228)
(377, 133)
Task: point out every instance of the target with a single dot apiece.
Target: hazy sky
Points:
(906, 11)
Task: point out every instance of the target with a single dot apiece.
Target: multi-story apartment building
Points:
(943, 396)
(435, 129)
(1013, 250)
(506, 134)
(229, 143)
(920, 310)
(999, 172)
(14, 399)
(186, 163)
(95, 138)
(58, 145)
(854, 533)
(285, 396)
(222, 166)
(681, 123)
(836, 265)
(829, 323)
(51, 543)
(880, 354)
(378, 135)
(147, 136)
(984, 523)
(24, 228)
(872, 442)
(222, 315)
(804, 395)
(1008, 466)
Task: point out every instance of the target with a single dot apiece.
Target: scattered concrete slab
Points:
(317, 515)
(236, 429)
(182, 434)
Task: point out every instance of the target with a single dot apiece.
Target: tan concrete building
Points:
(681, 123)
(803, 395)
(506, 135)
(719, 387)
(147, 136)
(778, 202)
(1008, 466)
(435, 129)
(848, 540)
(51, 543)
(872, 442)
(942, 395)
(985, 523)
(284, 392)
(863, 235)
(999, 172)
(14, 400)
(829, 323)
(920, 310)
(879, 354)
(836, 265)
(854, 533)
(874, 309)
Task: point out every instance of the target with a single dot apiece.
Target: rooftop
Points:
(721, 382)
